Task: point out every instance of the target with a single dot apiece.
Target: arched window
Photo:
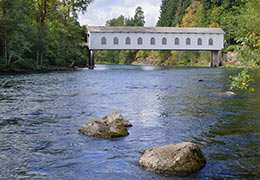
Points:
(128, 40)
(188, 41)
(177, 41)
(199, 41)
(152, 41)
(116, 40)
(103, 41)
(139, 41)
(210, 41)
(164, 41)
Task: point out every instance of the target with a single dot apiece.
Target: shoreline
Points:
(41, 70)
(63, 68)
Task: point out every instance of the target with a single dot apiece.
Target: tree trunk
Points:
(37, 58)
(41, 59)
(5, 52)
(9, 60)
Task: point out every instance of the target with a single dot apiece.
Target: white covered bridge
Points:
(155, 38)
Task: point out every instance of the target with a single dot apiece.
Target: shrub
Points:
(26, 64)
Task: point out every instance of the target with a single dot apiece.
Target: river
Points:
(41, 113)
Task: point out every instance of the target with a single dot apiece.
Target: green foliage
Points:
(26, 64)
(189, 58)
(120, 21)
(231, 48)
(137, 20)
(41, 33)
(242, 80)
(2, 64)
(140, 55)
(248, 34)
(139, 17)
(172, 12)
(126, 57)
(162, 56)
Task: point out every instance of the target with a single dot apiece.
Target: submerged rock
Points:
(228, 94)
(173, 159)
(111, 126)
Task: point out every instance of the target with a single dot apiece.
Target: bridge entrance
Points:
(155, 38)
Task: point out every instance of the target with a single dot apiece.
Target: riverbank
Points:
(230, 59)
(40, 70)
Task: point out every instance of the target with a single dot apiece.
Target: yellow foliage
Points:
(214, 13)
(214, 25)
(191, 18)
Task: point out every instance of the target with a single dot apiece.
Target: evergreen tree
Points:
(172, 12)
(139, 17)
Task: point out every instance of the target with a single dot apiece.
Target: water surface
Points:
(41, 113)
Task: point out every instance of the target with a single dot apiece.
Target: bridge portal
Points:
(155, 38)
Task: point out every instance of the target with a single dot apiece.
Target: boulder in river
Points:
(111, 126)
(180, 159)
(117, 118)
(228, 94)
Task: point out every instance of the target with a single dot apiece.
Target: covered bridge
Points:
(155, 38)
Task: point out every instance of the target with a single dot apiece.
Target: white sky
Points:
(102, 10)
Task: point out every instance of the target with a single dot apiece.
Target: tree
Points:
(15, 25)
(172, 12)
(248, 34)
(163, 18)
(139, 17)
(192, 18)
(76, 6)
(41, 32)
(120, 21)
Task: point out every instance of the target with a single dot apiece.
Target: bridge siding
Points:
(95, 41)
(95, 35)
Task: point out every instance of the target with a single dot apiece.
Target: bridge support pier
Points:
(91, 59)
(215, 58)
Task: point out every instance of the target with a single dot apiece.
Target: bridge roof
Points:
(174, 30)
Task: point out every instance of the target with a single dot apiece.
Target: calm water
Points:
(41, 113)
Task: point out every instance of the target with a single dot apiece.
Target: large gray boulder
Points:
(111, 126)
(173, 159)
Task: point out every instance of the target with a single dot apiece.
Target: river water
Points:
(41, 113)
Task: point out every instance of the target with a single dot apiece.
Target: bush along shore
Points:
(39, 70)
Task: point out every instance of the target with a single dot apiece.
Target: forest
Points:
(232, 16)
(40, 33)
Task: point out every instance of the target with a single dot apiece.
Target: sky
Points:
(102, 10)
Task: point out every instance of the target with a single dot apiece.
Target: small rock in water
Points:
(180, 159)
(116, 117)
(228, 94)
(111, 126)
(200, 80)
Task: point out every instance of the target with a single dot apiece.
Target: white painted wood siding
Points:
(95, 41)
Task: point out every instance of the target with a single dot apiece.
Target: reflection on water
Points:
(40, 115)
